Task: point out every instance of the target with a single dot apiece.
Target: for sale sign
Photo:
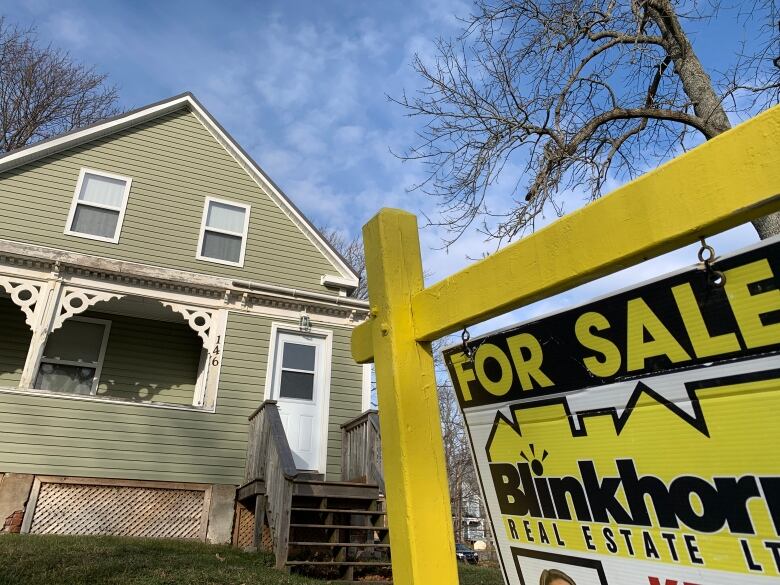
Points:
(634, 440)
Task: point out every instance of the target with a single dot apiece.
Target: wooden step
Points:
(247, 492)
(341, 511)
(340, 526)
(341, 544)
(310, 476)
(335, 489)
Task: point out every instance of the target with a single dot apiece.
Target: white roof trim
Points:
(135, 117)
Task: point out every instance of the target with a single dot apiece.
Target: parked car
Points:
(466, 554)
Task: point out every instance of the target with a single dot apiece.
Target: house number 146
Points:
(215, 353)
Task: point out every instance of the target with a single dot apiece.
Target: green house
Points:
(156, 288)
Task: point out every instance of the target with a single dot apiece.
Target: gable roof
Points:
(347, 276)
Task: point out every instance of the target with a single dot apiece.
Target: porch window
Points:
(98, 206)
(297, 371)
(223, 232)
(73, 357)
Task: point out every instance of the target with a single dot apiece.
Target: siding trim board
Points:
(188, 102)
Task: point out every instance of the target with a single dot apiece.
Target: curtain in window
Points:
(95, 221)
(221, 246)
(102, 190)
(66, 378)
(225, 217)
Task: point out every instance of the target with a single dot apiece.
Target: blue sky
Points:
(302, 85)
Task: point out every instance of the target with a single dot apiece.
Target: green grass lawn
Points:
(480, 575)
(70, 560)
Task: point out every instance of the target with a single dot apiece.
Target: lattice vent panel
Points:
(124, 511)
(245, 523)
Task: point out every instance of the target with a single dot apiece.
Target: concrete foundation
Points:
(221, 514)
(14, 493)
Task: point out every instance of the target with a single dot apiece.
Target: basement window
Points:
(73, 357)
(98, 206)
(223, 232)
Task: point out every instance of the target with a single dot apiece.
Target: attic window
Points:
(98, 206)
(223, 232)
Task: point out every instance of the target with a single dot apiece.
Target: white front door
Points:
(298, 388)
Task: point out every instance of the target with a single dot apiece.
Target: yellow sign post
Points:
(721, 184)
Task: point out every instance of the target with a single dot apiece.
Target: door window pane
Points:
(298, 385)
(221, 246)
(103, 190)
(76, 341)
(65, 378)
(95, 221)
(225, 217)
(299, 357)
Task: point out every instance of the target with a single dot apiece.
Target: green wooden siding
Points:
(14, 341)
(174, 163)
(48, 435)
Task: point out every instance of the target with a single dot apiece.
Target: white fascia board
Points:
(110, 126)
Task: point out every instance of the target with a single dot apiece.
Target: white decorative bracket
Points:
(23, 294)
(199, 320)
(75, 301)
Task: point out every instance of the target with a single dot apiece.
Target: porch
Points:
(329, 529)
(130, 349)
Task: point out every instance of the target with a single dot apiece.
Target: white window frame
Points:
(243, 234)
(76, 202)
(101, 355)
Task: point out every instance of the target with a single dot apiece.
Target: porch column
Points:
(209, 324)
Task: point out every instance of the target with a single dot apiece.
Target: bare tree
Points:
(43, 92)
(574, 92)
(461, 474)
(351, 250)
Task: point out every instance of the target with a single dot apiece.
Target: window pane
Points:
(221, 246)
(75, 341)
(297, 385)
(62, 378)
(95, 221)
(299, 357)
(225, 217)
(102, 190)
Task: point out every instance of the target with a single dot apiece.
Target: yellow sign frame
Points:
(719, 185)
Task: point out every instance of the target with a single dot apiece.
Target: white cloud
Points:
(68, 29)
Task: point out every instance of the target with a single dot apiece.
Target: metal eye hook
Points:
(706, 255)
(468, 351)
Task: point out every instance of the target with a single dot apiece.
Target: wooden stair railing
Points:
(361, 450)
(270, 460)
(331, 529)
